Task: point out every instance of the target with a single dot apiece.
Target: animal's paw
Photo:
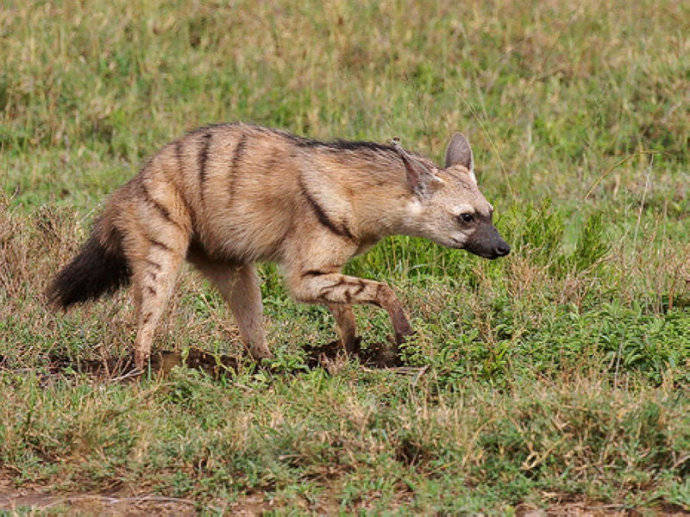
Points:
(354, 346)
(260, 352)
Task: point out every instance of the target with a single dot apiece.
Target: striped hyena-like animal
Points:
(227, 196)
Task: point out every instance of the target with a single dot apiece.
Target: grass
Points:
(556, 376)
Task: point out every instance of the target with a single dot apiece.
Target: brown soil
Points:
(377, 355)
(91, 504)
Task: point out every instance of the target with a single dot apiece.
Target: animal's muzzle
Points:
(487, 242)
(502, 249)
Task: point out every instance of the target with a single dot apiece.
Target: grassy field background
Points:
(558, 377)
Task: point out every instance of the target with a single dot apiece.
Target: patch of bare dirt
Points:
(95, 504)
(376, 355)
(114, 369)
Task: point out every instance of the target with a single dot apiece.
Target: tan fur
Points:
(228, 196)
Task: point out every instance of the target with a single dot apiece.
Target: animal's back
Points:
(239, 185)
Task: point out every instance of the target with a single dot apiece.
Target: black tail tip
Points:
(95, 271)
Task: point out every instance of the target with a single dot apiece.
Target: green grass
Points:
(557, 375)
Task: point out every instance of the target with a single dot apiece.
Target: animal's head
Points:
(447, 206)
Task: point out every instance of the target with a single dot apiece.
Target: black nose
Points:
(502, 249)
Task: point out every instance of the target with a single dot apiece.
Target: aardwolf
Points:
(227, 196)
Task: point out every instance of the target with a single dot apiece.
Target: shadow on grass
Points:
(115, 369)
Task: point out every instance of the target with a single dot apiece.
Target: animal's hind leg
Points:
(345, 323)
(239, 285)
(153, 273)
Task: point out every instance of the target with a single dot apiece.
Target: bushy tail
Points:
(100, 267)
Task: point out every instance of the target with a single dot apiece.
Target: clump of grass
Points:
(224, 439)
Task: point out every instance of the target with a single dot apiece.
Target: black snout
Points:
(502, 249)
(487, 243)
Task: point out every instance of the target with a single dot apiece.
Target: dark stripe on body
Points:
(178, 155)
(153, 264)
(377, 296)
(359, 284)
(165, 213)
(159, 244)
(361, 287)
(202, 159)
(180, 178)
(235, 163)
(323, 218)
(314, 272)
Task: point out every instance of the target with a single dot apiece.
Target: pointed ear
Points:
(419, 178)
(459, 152)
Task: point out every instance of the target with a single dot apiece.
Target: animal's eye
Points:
(466, 217)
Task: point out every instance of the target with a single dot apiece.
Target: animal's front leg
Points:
(313, 286)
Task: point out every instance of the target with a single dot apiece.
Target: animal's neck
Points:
(382, 210)
(375, 186)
